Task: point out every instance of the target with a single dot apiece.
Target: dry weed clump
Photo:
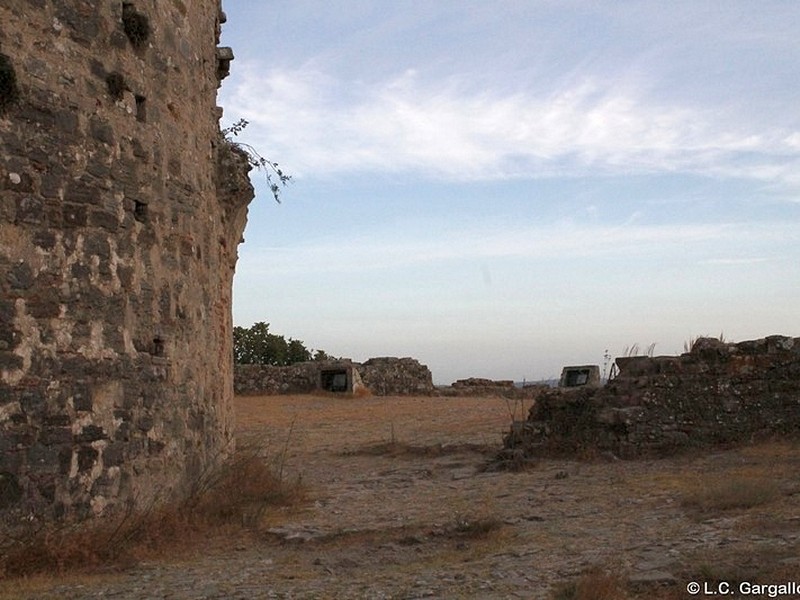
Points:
(236, 494)
(714, 494)
(473, 527)
(362, 392)
(597, 583)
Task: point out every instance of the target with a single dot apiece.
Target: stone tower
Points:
(121, 208)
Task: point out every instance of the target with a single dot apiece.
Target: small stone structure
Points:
(583, 376)
(340, 378)
(718, 393)
(387, 376)
(121, 209)
(391, 376)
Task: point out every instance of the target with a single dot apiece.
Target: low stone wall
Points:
(266, 380)
(716, 394)
(387, 376)
(490, 388)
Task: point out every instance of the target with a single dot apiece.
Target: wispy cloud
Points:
(567, 240)
(319, 125)
(734, 261)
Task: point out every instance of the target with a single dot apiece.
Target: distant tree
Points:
(255, 345)
(321, 355)
(296, 352)
(275, 351)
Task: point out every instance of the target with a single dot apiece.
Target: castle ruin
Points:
(121, 209)
(716, 394)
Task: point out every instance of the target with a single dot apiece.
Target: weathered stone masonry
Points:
(384, 376)
(121, 209)
(716, 394)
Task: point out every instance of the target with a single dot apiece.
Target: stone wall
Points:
(490, 388)
(267, 380)
(121, 209)
(390, 376)
(387, 376)
(718, 393)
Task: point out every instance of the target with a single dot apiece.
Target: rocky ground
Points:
(401, 506)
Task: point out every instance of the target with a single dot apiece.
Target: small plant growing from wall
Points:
(9, 93)
(135, 24)
(271, 170)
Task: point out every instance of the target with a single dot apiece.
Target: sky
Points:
(503, 188)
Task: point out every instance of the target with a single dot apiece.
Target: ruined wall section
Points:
(121, 209)
(268, 380)
(718, 393)
(392, 376)
(387, 376)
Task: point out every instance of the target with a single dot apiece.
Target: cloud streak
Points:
(322, 126)
(564, 241)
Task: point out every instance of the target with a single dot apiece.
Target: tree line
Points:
(255, 345)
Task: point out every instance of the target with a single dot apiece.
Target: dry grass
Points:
(37, 586)
(398, 449)
(742, 562)
(364, 421)
(738, 480)
(235, 495)
(598, 583)
(710, 495)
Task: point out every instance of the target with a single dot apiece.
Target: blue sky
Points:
(502, 188)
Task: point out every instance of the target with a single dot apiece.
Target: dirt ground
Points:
(402, 506)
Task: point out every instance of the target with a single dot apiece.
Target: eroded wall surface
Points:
(121, 208)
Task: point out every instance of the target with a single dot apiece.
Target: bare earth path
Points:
(401, 508)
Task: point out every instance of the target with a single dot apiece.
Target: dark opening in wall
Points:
(135, 24)
(577, 377)
(115, 83)
(159, 347)
(141, 108)
(9, 93)
(10, 490)
(334, 380)
(140, 211)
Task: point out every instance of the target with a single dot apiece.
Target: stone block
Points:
(74, 215)
(90, 433)
(29, 210)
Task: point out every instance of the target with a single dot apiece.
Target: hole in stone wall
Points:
(141, 108)
(135, 24)
(158, 347)
(334, 380)
(115, 83)
(577, 377)
(9, 93)
(139, 211)
(10, 490)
